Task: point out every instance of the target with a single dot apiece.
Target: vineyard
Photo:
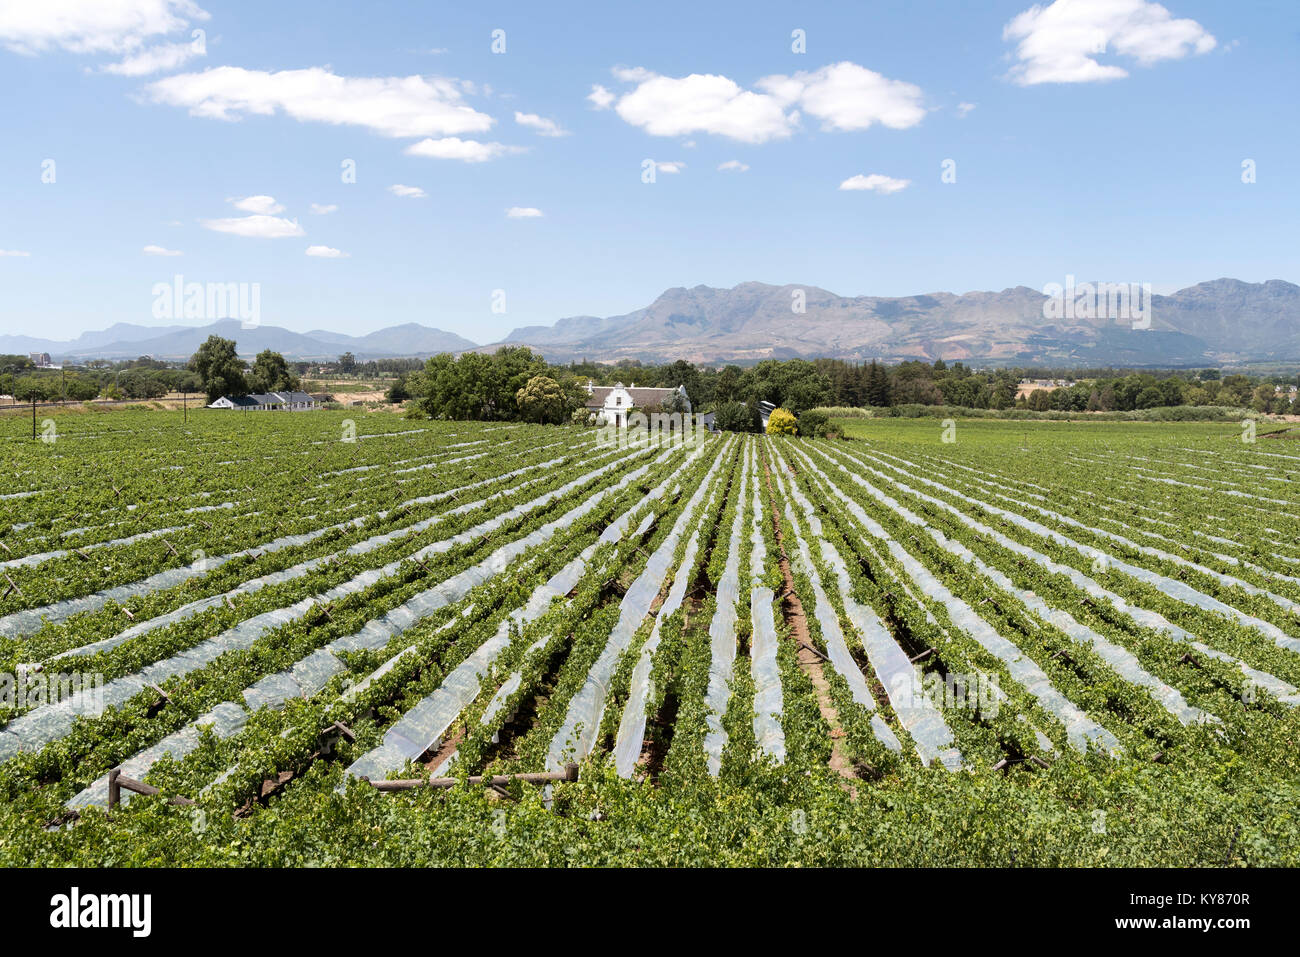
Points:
(1037, 643)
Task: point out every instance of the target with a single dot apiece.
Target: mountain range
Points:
(1223, 322)
(128, 341)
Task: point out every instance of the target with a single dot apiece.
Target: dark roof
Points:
(256, 399)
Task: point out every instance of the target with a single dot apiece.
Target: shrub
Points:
(737, 417)
(814, 424)
(782, 422)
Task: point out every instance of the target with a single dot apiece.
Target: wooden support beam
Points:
(570, 773)
(117, 781)
(342, 729)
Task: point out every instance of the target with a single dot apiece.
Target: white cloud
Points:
(1060, 43)
(91, 26)
(265, 205)
(152, 250)
(523, 212)
(13, 252)
(541, 124)
(257, 226)
(452, 147)
(876, 183)
(633, 74)
(704, 103)
(671, 166)
(964, 108)
(409, 192)
(165, 56)
(390, 106)
(326, 252)
(844, 96)
(323, 209)
(600, 97)
(733, 166)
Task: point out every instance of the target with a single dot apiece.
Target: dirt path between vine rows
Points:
(810, 660)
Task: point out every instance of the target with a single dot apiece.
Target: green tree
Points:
(543, 400)
(347, 363)
(219, 368)
(398, 391)
(727, 386)
(813, 424)
(271, 373)
(737, 417)
(141, 384)
(82, 388)
(674, 402)
(1149, 398)
(40, 388)
(877, 387)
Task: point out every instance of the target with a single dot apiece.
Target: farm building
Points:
(259, 401)
(614, 402)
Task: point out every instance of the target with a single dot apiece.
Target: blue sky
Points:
(1123, 165)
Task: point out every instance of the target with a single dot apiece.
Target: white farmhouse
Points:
(291, 401)
(613, 403)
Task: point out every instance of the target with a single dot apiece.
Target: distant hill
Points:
(127, 341)
(1220, 322)
(1223, 322)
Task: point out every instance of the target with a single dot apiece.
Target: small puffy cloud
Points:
(326, 252)
(876, 183)
(390, 106)
(704, 103)
(157, 59)
(964, 108)
(600, 97)
(265, 205)
(323, 209)
(844, 96)
(257, 226)
(1060, 42)
(670, 166)
(452, 147)
(92, 26)
(733, 166)
(13, 252)
(541, 124)
(408, 192)
(152, 250)
(523, 212)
